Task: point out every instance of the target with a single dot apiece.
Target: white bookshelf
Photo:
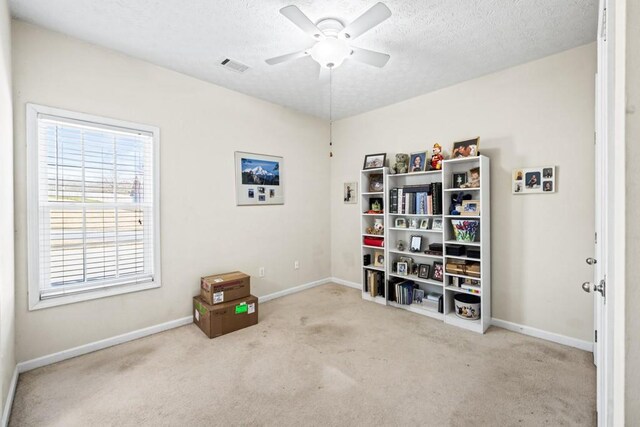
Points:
(394, 234)
(483, 243)
(368, 220)
(444, 236)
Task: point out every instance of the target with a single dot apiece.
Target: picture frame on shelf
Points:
(350, 192)
(403, 268)
(258, 172)
(376, 183)
(423, 271)
(414, 223)
(415, 244)
(467, 148)
(378, 259)
(437, 273)
(418, 296)
(374, 161)
(470, 208)
(436, 224)
(424, 224)
(409, 262)
(417, 162)
(376, 205)
(400, 223)
(459, 179)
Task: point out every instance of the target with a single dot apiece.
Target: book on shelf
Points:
(374, 283)
(425, 199)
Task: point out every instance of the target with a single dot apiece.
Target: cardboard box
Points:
(219, 288)
(221, 319)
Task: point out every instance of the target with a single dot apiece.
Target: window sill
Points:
(91, 295)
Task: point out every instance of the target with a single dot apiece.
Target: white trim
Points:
(33, 237)
(6, 410)
(346, 283)
(293, 290)
(545, 335)
(102, 344)
(141, 333)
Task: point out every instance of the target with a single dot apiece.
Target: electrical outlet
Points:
(296, 265)
(261, 272)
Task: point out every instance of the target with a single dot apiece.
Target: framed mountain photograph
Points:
(258, 174)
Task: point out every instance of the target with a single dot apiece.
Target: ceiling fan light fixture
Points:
(330, 52)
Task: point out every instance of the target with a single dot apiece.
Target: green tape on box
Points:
(242, 308)
(201, 308)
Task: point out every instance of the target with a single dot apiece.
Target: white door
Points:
(600, 259)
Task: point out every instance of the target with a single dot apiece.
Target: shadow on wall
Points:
(506, 226)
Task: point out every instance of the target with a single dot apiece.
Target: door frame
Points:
(613, 89)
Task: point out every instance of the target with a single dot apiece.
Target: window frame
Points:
(33, 192)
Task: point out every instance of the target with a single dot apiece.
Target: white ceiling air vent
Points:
(234, 65)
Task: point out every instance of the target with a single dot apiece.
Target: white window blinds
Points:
(96, 205)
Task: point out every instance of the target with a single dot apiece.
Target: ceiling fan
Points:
(333, 39)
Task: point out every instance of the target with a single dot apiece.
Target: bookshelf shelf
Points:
(461, 276)
(426, 195)
(414, 254)
(460, 290)
(416, 279)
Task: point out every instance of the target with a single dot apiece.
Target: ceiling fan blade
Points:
(287, 57)
(325, 74)
(296, 16)
(370, 57)
(372, 17)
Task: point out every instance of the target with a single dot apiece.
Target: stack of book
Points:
(404, 292)
(424, 199)
(374, 283)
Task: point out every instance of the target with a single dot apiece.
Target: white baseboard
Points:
(293, 290)
(140, 333)
(6, 410)
(346, 283)
(99, 345)
(545, 335)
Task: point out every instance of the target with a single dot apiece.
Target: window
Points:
(93, 207)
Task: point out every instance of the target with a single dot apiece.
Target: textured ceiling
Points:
(432, 43)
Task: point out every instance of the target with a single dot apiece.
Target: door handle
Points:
(591, 261)
(600, 287)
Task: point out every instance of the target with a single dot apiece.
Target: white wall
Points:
(540, 113)
(7, 325)
(632, 293)
(202, 230)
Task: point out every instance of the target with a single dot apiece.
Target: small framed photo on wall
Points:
(540, 180)
(350, 192)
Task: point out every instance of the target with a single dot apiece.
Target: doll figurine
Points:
(436, 158)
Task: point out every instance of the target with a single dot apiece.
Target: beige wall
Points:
(7, 320)
(202, 230)
(632, 292)
(540, 113)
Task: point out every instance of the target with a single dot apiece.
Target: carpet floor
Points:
(318, 357)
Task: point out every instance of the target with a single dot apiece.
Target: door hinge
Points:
(596, 335)
(603, 34)
(596, 236)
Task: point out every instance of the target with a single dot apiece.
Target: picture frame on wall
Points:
(350, 192)
(258, 174)
(538, 180)
(374, 161)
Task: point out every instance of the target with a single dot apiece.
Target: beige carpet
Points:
(319, 357)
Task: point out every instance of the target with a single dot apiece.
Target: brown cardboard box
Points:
(220, 319)
(219, 288)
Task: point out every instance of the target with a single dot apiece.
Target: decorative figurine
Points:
(400, 245)
(474, 182)
(402, 163)
(437, 157)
